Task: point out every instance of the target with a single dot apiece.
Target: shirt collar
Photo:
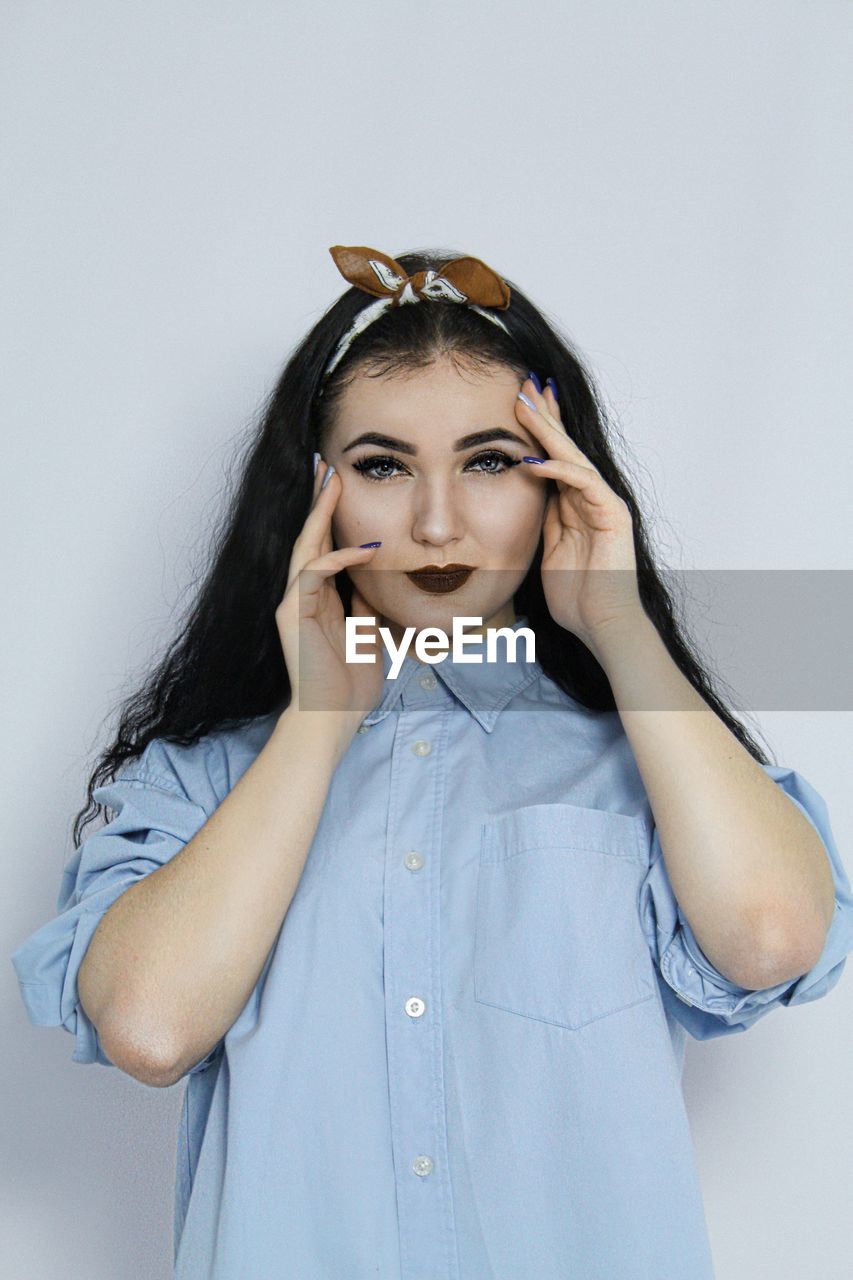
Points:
(484, 687)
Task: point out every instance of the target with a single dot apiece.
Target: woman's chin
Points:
(431, 612)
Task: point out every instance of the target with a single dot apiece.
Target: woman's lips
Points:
(440, 583)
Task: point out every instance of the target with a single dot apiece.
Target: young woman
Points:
(426, 946)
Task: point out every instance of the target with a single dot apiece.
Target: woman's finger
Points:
(326, 543)
(534, 414)
(314, 539)
(553, 404)
(545, 402)
(576, 475)
(315, 571)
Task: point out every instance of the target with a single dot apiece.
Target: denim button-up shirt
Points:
(462, 1059)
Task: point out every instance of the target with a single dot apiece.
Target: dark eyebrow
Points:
(466, 442)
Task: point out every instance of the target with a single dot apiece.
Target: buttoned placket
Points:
(413, 979)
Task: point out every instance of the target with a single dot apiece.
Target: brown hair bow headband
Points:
(461, 280)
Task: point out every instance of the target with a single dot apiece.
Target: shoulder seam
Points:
(162, 784)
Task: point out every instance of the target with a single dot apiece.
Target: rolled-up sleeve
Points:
(153, 820)
(705, 1002)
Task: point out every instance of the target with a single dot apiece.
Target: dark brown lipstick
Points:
(439, 579)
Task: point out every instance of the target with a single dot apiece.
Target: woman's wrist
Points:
(321, 728)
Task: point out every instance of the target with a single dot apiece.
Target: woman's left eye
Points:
(496, 455)
(368, 465)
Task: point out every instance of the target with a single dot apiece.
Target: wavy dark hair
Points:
(225, 666)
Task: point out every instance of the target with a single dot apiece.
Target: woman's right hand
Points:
(311, 621)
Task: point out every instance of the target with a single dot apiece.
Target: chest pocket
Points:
(558, 933)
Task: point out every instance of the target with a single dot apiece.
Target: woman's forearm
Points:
(176, 957)
(747, 868)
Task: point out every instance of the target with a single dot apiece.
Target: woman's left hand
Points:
(586, 527)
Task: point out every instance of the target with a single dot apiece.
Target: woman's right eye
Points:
(366, 465)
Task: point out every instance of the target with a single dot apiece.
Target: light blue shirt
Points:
(462, 1059)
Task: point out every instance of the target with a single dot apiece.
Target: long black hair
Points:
(225, 666)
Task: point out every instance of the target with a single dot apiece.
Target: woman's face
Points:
(432, 499)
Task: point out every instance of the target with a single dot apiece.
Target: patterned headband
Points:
(461, 280)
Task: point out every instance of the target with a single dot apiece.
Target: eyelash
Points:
(367, 464)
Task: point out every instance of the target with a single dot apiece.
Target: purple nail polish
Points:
(533, 459)
(552, 384)
(369, 544)
(537, 384)
(527, 401)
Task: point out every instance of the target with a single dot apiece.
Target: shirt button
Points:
(428, 680)
(415, 1006)
(421, 748)
(422, 1166)
(413, 861)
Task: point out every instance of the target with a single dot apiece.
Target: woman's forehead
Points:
(439, 401)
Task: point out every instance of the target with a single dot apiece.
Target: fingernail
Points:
(552, 384)
(532, 459)
(369, 544)
(326, 478)
(316, 462)
(527, 401)
(532, 376)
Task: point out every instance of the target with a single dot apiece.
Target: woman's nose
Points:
(437, 515)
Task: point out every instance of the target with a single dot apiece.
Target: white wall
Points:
(669, 180)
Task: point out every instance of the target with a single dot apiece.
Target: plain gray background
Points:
(670, 181)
